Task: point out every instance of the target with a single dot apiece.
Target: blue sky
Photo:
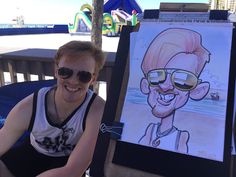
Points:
(57, 11)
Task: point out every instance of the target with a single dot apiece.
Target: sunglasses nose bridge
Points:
(73, 77)
(167, 84)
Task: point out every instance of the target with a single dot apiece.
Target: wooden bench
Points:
(37, 61)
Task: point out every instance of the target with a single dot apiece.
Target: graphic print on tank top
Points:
(59, 143)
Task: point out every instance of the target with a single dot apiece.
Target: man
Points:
(63, 120)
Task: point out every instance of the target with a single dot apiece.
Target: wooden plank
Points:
(12, 71)
(25, 68)
(40, 62)
(2, 80)
(38, 66)
(105, 75)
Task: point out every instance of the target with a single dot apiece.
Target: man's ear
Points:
(144, 86)
(200, 91)
(94, 79)
(55, 71)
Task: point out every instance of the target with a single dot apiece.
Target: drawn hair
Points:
(171, 42)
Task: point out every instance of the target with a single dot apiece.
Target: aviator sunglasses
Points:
(180, 79)
(82, 76)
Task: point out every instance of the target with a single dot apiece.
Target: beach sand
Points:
(50, 41)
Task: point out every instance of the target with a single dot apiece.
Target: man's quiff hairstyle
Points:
(74, 48)
(171, 42)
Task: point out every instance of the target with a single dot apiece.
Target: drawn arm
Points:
(183, 142)
(146, 139)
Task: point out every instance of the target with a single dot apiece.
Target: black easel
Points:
(97, 166)
(124, 152)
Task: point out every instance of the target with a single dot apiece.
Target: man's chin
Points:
(161, 114)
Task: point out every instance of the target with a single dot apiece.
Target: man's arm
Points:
(16, 123)
(82, 154)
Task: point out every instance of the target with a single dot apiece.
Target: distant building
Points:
(184, 7)
(19, 21)
(223, 5)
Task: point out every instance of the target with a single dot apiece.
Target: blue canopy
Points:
(126, 5)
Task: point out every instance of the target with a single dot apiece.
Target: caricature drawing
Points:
(172, 66)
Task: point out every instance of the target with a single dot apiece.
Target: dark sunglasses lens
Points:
(84, 76)
(65, 72)
(184, 80)
(156, 77)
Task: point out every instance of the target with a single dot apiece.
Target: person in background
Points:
(63, 120)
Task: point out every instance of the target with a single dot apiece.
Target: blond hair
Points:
(73, 48)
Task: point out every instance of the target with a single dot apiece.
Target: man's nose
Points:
(74, 78)
(167, 84)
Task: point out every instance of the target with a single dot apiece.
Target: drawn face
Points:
(74, 76)
(170, 85)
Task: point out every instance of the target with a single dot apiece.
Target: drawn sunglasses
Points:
(180, 79)
(82, 76)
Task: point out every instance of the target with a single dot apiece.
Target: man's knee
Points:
(2, 166)
(4, 172)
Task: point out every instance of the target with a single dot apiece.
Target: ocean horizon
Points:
(9, 25)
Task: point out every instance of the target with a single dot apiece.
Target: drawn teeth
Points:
(162, 96)
(167, 97)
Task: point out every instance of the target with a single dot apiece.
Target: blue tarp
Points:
(26, 30)
(126, 5)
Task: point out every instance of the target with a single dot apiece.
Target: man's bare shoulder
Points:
(16, 123)
(25, 105)
(21, 113)
(97, 108)
(99, 102)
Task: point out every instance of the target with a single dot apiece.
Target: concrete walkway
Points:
(50, 41)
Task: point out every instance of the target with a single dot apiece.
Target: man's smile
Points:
(166, 98)
(71, 89)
